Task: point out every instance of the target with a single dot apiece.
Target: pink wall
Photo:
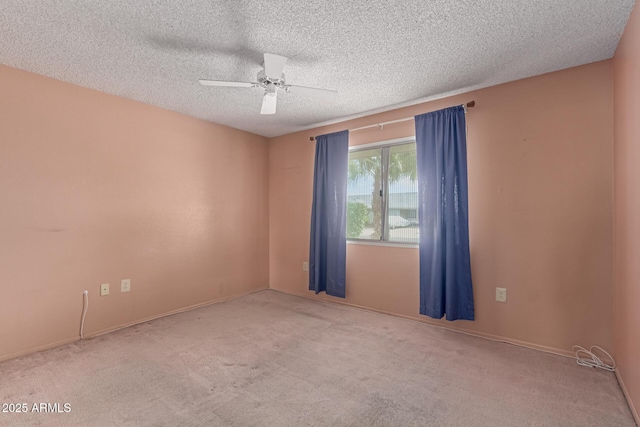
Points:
(540, 155)
(626, 321)
(95, 188)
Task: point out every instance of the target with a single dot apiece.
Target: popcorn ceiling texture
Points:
(377, 54)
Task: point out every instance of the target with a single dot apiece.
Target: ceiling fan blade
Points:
(227, 84)
(274, 65)
(269, 103)
(311, 92)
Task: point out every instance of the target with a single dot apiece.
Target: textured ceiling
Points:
(375, 53)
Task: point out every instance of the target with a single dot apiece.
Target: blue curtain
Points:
(328, 249)
(445, 265)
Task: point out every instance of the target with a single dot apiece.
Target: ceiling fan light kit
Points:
(272, 78)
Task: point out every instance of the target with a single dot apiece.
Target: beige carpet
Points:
(270, 359)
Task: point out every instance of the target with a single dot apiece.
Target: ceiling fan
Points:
(271, 78)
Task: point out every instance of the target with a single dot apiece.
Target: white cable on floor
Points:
(586, 357)
(84, 312)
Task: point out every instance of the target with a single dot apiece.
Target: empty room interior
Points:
(316, 213)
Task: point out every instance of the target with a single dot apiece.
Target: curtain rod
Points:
(469, 104)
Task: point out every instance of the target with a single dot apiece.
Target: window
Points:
(382, 193)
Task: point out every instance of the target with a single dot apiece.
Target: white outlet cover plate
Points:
(125, 285)
(501, 294)
(305, 266)
(104, 289)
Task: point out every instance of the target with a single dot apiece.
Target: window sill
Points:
(387, 244)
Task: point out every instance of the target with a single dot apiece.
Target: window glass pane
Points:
(363, 194)
(402, 193)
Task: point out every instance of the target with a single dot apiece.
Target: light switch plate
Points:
(501, 294)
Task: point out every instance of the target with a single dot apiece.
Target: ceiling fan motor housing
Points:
(264, 81)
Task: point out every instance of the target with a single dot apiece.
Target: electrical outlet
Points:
(305, 266)
(104, 289)
(125, 285)
(501, 294)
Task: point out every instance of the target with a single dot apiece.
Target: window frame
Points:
(383, 241)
